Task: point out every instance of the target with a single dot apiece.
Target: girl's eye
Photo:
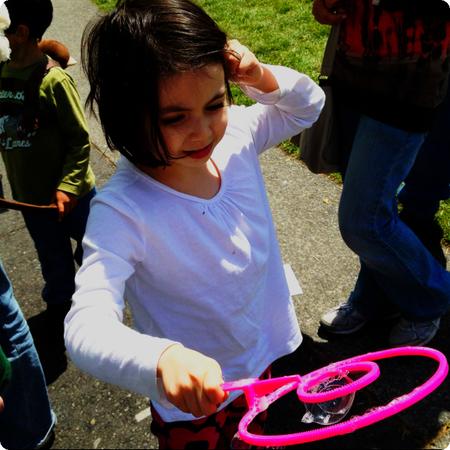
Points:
(172, 120)
(216, 106)
(178, 118)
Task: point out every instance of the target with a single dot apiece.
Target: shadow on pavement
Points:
(50, 347)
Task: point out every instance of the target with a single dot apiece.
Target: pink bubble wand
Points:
(312, 390)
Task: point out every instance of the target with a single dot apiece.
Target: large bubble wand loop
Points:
(261, 393)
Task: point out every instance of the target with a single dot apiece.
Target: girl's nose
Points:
(200, 129)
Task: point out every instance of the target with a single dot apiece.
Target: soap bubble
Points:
(333, 411)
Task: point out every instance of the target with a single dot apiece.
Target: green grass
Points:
(443, 217)
(279, 32)
(105, 5)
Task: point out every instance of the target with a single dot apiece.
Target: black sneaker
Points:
(408, 332)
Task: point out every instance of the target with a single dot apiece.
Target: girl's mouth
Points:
(199, 154)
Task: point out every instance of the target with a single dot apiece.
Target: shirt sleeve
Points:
(97, 340)
(65, 100)
(283, 113)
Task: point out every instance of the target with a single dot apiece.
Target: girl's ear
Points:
(22, 33)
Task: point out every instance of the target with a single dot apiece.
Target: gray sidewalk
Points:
(92, 414)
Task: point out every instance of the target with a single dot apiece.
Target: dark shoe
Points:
(407, 332)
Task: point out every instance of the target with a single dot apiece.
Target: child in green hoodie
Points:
(44, 143)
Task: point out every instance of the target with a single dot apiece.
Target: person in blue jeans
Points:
(27, 420)
(389, 76)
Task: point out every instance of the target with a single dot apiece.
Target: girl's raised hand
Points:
(191, 380)
(245, 69)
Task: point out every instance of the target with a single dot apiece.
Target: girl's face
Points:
(193, 114)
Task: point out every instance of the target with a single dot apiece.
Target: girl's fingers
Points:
(191, 380)
(233, 57)
(212, 388)
(243, 65)
(248, 62)
(237, 53)
(197, 403)
(185, 401)
(194, 403)
(210, 395)
(232, 62)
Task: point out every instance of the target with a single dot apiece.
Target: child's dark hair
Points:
(126, 53)
(37, 15)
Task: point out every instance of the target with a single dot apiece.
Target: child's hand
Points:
(65, 203)
(245, 69)
(191, 381)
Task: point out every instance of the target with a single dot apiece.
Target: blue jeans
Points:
(397, 271)
(27, 418)
(52, 240)
(429, 180)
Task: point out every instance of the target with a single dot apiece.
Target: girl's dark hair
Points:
(37, 15)
(125, 54)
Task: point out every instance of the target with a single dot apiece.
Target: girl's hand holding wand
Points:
(245, 69)
(191, 381)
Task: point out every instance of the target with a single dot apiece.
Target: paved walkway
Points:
(92, 414)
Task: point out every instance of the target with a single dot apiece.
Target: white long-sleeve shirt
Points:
(206, 273)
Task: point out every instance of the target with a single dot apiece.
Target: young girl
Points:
(183, 230)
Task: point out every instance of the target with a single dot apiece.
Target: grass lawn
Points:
(279, 32)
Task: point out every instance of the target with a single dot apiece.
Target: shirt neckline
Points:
(168, 189)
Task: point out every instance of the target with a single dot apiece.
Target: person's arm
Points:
(96, 338)
(100, 344)
(64, 100)
(287, 101)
